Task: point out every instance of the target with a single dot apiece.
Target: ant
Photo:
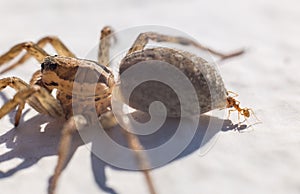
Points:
(235, 105)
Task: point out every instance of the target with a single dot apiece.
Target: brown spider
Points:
(58, 72)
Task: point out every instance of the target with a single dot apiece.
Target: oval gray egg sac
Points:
(205, 78)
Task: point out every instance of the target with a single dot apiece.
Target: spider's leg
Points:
(37, 97)
(18, 100)
(13, 82)
(74, 123)
(31, 48)
(45, 103)
(108, 120)
(54, 41)
(144, 38)
(142, 160)
(42, 101)
(17, 84)
(57, 44)
(104, 46)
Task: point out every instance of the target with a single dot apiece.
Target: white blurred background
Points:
(264, 160)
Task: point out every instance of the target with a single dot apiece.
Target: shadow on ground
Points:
(27, 142)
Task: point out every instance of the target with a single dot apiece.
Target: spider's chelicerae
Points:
(58, 72)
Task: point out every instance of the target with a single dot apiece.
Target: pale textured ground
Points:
(265, 159)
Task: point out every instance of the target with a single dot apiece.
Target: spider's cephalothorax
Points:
(83, 85)
(80, 84)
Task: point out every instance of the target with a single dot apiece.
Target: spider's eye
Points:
(52, 66)
(43, 66)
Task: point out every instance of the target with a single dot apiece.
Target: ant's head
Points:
(230, 102)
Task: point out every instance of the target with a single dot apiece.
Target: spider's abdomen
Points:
(204, 77)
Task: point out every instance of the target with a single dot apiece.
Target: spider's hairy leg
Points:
(32, 49)
(76, 122)
(104, 45)
(54, 41)
(37, 97)
(142, 160)
(17, 84)
(57, 44)
(14, 82)
(143, 39)
(18, 100)
(43, 102)
(108, 120)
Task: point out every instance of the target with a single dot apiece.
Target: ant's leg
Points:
(136, 147)
(234, 94)
(229, 112)
(239, 118)
(32, 49)
(74, 123)
(56, 43)
(144, 38)
(258, 120)
(104, 46)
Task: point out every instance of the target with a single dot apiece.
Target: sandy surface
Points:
(262, 159)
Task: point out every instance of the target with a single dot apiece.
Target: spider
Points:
(58, 72)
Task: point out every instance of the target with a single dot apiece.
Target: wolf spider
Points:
(58, 72)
